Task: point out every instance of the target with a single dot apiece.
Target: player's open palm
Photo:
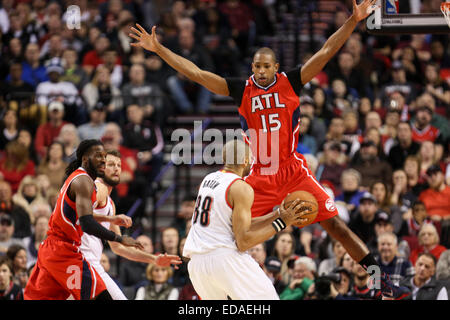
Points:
(130, 242)
(145, 40)
(165, 260)
(364, 9)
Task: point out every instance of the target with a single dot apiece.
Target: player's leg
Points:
(42, 286)
(111, 285)
(203, 279)
(266, 194)
(244, 279)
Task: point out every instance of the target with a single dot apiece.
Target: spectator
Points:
(18, 256)
(435, 85)
(169, 241)
(184, 214)
(145, 137)
(306, 143)
(16, 164)
(72, 71)
(7, 232)
(180, 87)
(95, 128)
(111, 63)
(382, 195)
(62, 91)
(24, 138)
(54, 164)
(401, 198)
(428, 242)
(424, 285)
(405, 146)
(363, 222)
(396, 267)
(132, 274)
(32, 242)
(28, 193)
(46, 133)
(443, 266)
(148, 96)
(426, 100)
(8, 289)
(317, 125)
(9, 129)
(327, 265)
(105, 263)
(258, 252)
(272, 267)
(33, 72)
(399, 83)
(347, 71)
(333, 164)
(158, 287)
(93, 58)
(422, 130)
(240, 18)
(341, 97)
(19, 95)
(370, 165)
(300, 281)
(351, 193)
(68, 137)
(101, 90)
(284, 247)
(437, 197)
(412, 169)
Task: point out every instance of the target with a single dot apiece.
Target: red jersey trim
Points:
(226, 192)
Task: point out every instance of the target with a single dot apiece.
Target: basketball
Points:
(309, 202)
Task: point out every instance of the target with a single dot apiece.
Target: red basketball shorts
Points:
(61, 271)
(292, 175)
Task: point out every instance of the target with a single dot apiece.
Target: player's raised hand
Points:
(130, 242)
(364, 9)
(165, 260)
(122, 220)
(145, 40)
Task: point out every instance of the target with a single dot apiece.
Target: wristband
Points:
(278, 224)
(118, 238)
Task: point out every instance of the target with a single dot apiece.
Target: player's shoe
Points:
(390, 290)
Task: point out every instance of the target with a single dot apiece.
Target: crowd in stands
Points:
(374, 129)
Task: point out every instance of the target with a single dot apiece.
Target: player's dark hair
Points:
(82, 149)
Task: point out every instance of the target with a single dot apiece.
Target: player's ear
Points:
(277, 66)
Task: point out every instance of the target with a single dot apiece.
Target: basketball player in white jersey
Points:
(92, 247)
(223, 230)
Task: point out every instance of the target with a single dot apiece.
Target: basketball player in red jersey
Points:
(61, 270)
(269, 113)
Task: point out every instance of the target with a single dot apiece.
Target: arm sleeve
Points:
(294, 77)
(92, 227)
(236, 87)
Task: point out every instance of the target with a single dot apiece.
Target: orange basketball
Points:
(309, 202)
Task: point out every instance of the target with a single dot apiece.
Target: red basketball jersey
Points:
(64, 222)
(271, 118)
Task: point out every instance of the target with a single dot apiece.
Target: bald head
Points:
(266, 51)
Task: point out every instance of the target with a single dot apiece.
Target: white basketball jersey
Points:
(211, 222)
(91, 246)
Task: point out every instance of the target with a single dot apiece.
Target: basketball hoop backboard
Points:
(402, 17)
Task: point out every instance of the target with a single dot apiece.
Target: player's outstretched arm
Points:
(137, 255)
(318, 61)
(149, 41)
